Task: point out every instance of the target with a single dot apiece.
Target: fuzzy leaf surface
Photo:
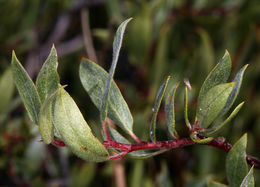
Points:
(218, 75)
(249, 180)
(116, 49)
(26, 89)
(48, 79)
(74, 130)
(236, 165)
(93, 78)
(213, 103)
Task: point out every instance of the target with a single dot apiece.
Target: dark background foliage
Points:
(181, 38)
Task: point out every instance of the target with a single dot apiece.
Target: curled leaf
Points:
(170, 113)
(156, 108)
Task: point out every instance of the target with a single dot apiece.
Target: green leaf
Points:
(213, 103)
(48, 79)
(156, 108)
(186, 108)
(6, 89)
(218, 75)
(116, 49)
(93, 79)
(233, 95)
(46, 120)
(27, 89)
(249, 180)
(170, 113)
(215, 184)
(236, 165)
(231, 116)
(74, 130)
(196, 139)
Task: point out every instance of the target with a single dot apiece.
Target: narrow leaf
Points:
(48, 79)
(116, 49)
(156, 108)
(218, 75)
(231, 116)
(236, 165)
(249, 180)
(215, 184)
(93, 79)
(213, 103)
(170, 113)
(74, 130)
(186, 108)
(6, 90)
(233, 95)
(27, 89)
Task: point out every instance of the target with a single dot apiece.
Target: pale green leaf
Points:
(215, 184)
(198, 140)
(233, 95)
(93, 79)
(249, 180)
(218, 75)
(212, 103)
(48, 79)
(116, 49)
(231, 116)
(156, 108)
(27, 89)
(170, 113)
(186, 108)
(236, 165)
(45, 119)
(74, 130)
(6, 90)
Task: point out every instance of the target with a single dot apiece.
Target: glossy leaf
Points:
(215, 184)
(249, 180)
(116, 49)
(74, 130)
(27, 89)
(213, 103)
(218, 75)
(156, 108)
(170, 113)
(93, 79)
(6, 89)
(233, 95)
(231, 116)
(48, 79)
(236, 165)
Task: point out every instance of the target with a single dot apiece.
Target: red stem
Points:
(219, 143)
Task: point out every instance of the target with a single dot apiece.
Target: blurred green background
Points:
(181, 38)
